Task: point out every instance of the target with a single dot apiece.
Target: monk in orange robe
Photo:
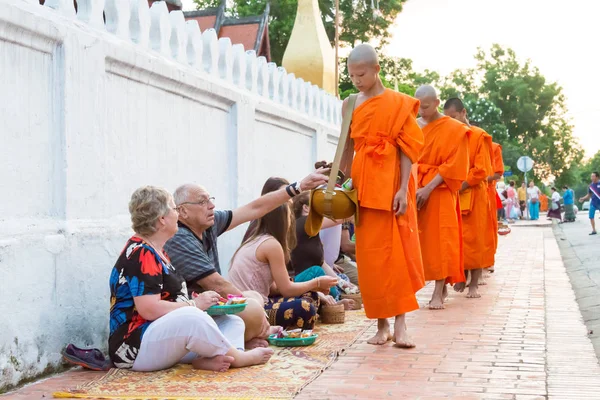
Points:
(474, 201)
(384, 142)
(441, 170)
(495, 202)
(543, 202)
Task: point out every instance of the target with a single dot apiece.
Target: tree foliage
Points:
(360, 20)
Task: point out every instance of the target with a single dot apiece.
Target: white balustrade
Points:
(251, 71)
(160, 28)
(65, 7)
(274, 82)
(179, 35)
(91, 12)
(174, 37)
(139, 24)
(262, 81)
(225, 59)
(194, 45)
(118, 14)
(292, 91)
(239, 65)
(210, 53)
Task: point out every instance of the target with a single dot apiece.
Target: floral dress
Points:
(139, 271)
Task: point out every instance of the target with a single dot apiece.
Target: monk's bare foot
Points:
(218, 363)
(482, 281)
(437, 298)
(256, 342)
(436, 304)
(255, 356)
(490, 270)
(401, 338)
(460, 287)
(474, 285)
(383, 334)
(445, 293)
(348, 304)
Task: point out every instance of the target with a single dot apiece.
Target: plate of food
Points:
(232, 305)
(293, 338)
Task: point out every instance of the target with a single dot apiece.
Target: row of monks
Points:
(426, 184)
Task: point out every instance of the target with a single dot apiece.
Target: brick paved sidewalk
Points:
(524, 339)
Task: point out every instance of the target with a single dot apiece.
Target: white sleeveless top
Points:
(247, 273)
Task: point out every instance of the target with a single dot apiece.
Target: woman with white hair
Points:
(153, 323)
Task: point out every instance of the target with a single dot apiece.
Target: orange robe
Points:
(543, 202)
(498, 167)
(388, 255)
(475, 204)
(446, 152)
(491, 234)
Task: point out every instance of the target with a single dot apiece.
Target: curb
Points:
(566, 334)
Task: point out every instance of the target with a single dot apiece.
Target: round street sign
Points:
(525, 164)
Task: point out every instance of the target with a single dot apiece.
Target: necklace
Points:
(160, 253)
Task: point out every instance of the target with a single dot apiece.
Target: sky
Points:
(561, 38)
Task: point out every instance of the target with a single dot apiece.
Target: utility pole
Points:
(337, 45)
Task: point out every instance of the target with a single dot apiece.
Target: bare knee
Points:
(251, 294)
(254, 318)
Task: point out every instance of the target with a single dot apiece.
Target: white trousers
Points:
(187, 333)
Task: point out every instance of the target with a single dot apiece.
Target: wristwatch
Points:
(296, 187)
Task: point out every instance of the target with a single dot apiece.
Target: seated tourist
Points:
(194, 251)
(308, 257)
(153, 322)
(261, 264)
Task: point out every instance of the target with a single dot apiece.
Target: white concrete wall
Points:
(90, 112)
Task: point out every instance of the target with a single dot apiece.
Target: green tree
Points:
(533, 110)
(360, 20)
(514, 102)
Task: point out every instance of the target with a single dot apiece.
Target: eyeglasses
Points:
(201, 203)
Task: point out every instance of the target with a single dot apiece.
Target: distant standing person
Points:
(533, 200)
(554, 207)
(568, 200)
(522, 196)
(594, 194)
(511, 201)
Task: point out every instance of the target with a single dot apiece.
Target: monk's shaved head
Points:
(455, 103)
(429, 102)
(426, 92)
(363, 53)
(455, 108)
(363, 68)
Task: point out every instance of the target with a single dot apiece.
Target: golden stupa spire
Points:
(309, 55)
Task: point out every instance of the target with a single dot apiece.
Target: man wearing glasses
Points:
(193, 250)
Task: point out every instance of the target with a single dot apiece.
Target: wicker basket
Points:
(357, 300)
(334, 314)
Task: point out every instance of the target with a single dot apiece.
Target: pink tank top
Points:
(247, 273)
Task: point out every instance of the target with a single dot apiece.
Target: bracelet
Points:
(296, 187)
(191, 303)
(289, 191)
(292, 190)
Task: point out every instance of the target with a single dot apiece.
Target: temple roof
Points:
(252, 32)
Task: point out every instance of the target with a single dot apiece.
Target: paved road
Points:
(581, 255)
